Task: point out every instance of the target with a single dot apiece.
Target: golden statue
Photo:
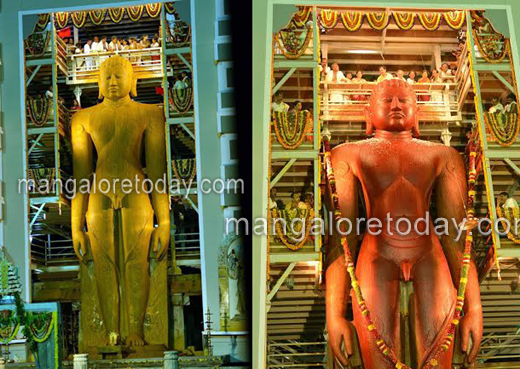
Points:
(123, 269)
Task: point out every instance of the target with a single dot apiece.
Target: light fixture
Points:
(362, 51)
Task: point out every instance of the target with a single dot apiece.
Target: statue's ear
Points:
(133, 90)
(415, 129)
(368, 119)
(100, 94)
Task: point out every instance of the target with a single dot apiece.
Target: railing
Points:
(52, 252)
(296, 354)
(500, 346)
(61, 54)
(463, 77)
(84, 68)
(346, 101)
(187, 245)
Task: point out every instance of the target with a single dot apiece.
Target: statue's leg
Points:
(379, 282)
(100, 223)
(137, 227)
(434, 301)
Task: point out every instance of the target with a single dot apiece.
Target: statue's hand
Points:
(471, 323)
(161, 240)
(339, 330)
(80, 242)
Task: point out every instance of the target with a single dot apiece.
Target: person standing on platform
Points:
(511, 106)
(278, 105)
(114, 45)
(496, 106)
(383, 74)
(411, 78)
(89, 61)
(323, 68)
(335, 76)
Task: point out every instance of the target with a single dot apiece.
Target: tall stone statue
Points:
(397, 175)
(123, 276)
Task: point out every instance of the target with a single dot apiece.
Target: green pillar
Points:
(205, 87)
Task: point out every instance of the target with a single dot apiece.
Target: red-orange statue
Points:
(397, 174)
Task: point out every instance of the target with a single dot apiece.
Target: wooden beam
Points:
(284, 79)
(281, 173)
(187, 130)
(512, 165)
(181, 57)
(187, 283)
(33, 74)
(35, 143)
(280, 281)
(69, 290)
(504, 81)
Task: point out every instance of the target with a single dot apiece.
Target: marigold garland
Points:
(97, 16)
(43, 21)
(487, 47)
(328, 18)
(41, 325)
(62, 18)
(38, 110)
(184, 169)
(290, 44)
(182, 98)
(504, 128)
(285, 234)
(352, 21)
(430, 21)
(37, 43)
(378, 20)
(116, 14)
(79, 19)
(9, 327)
(181, 35)
(455, 19)
(290, 127)
(404, 21)
(170, 9)
(440, 349)
(153, 9)
(135, 12)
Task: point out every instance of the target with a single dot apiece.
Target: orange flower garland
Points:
(302, 16)
(483, 48)
(352, 20)
(455, 19)
(378, 20)
(135, 12)
(153, 9)
(291, 132)
(287, 46)
(116, 14)
(404, 21)
(328, 18)
(288, 240)
(79, 19)
(430, 21)
(97, 16)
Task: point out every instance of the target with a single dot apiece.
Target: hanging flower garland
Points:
(182, 98)
(503, 127)
(135, 12)
(378, 20)
(181, 34)
(43, 21)
(79, 19)
(352, 20)
(290, 44)
(38, 110)
(97, 16)
(430, 21)
(37, 43)
(9, 326)
(116, 14)
(301, 17)
(184, 169)
(404, 21)
(438, 350)
(488, 47)
(153, 9)
(455, 19)
(295, 219)
(170, 9)
(328, 18)
(41, 325)
(62, 18)
(290, 128)
(511, 215)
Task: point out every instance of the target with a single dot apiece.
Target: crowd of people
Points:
(298, 201)
(507, 106)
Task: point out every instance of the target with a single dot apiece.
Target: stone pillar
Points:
(80, 361)
(171, 360)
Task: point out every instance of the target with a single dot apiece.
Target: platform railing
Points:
(294, 354)
(187, 245)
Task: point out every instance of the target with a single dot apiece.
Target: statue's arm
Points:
(451, 199)
(83, 166)
(155, 152)
(337, 278)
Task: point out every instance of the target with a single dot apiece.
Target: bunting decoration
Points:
(290, 127)
(62, 18)
(153, 9)
(184, 169)
(352, 21)
(9, 326)
(291, 45)
(504, 127)
(37, 43)
(116, 14)
(405, 21)
(97, 16)
(378, 20)
(455, 19)
(182, 98)
(295, 219)
(169, 8)
(79, 19)
(301, 17)
(440, 349)
(38, 109)
(135, 12)
(41, 325)
(430, 21)
(328, 18)
(43, 21)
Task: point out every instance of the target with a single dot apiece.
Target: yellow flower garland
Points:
(301, 50)
(378, 20)
(97, 16)
(11, 337)
(135, 12)
(291, 137)
(62, 18)
(328, 18)
(280, 231)
(404, 21)
(153, 9)
(352, 21)
(430, 21)
(116, 14)
(505, 136)
(455, 19)
(79, 19)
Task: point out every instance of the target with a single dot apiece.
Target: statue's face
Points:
(393, 107)
(115, 82)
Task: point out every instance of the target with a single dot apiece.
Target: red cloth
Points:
(65, 32)
(159, 91)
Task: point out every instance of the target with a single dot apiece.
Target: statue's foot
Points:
(134, 340)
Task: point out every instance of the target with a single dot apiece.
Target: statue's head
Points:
(392, 107)
(116, 79)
